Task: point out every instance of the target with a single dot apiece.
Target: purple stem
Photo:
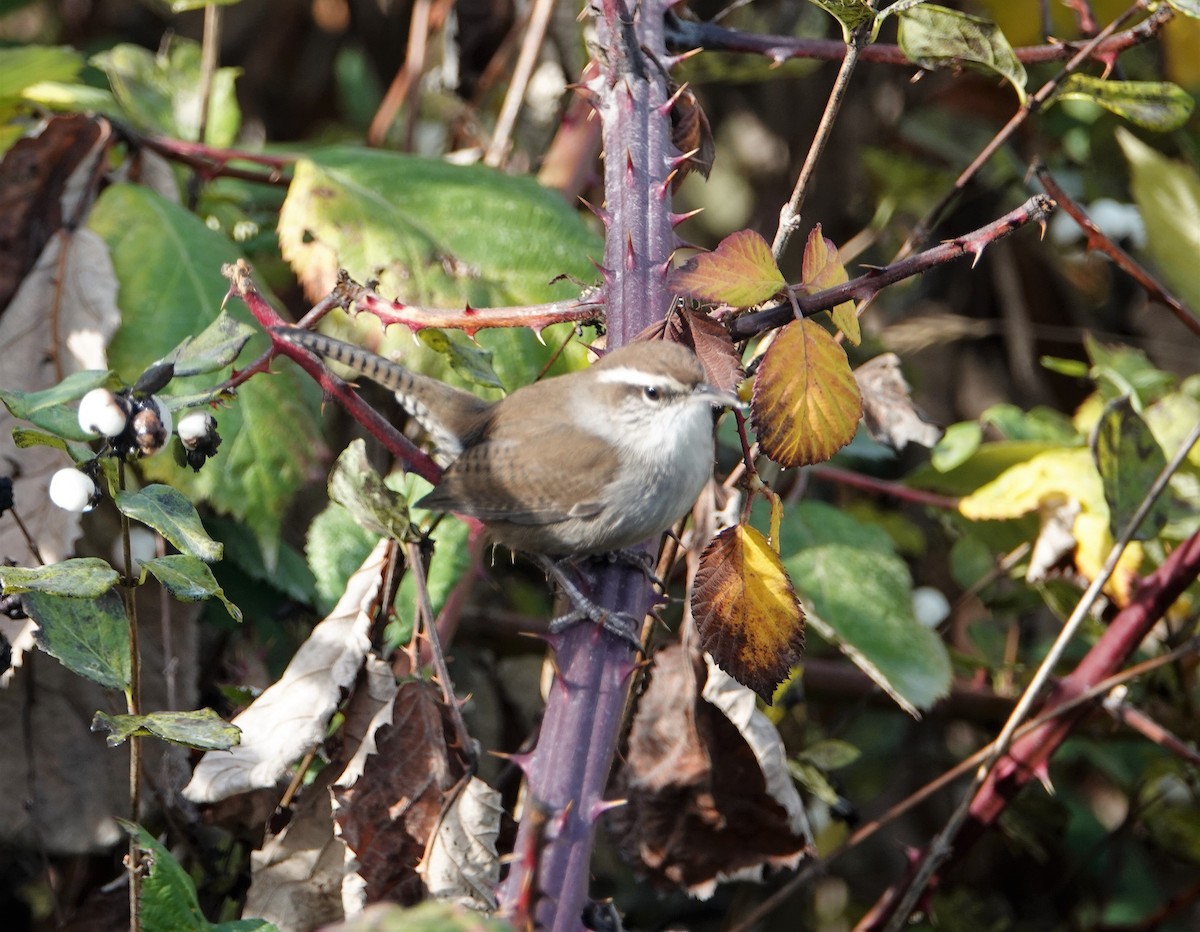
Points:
(568, 771)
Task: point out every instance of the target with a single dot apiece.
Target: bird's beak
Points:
(718, 397)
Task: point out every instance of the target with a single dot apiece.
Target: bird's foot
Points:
(621, 624)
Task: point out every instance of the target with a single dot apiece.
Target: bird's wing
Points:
(498, 480)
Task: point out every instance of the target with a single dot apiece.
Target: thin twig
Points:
(860, 835)
(531, 47)
(1034, 210)
(789, 215)
(1032, 104)
(210, 47)
(133, 704)
(895, 490)
(684, 35)
(1096, 239)
(416, 567)
(940, 847)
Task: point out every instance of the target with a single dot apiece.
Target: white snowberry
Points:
(71, 490)
(194, 426)
(103, 413)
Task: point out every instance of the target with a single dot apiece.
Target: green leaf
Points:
(169, 900)
(1168, 195)
(169, 267)
(203, 729)
(355, 485)
(850, 14)
(290, 574)
(1186, 7)
(1123, 370)
(936, 37)
(214, 349)
(985, 465)
(335, 547)
(740, 272)
(1158, 106)
(958, 444)
(189, 580)
(1040, 423)
(1129, 460)
(88, 636)
(25, 437)
(83, 578)
(470, 360)
(163, 92)
(831, 754)
(810, 777)
(54, 409)
(25, 65)
(431, 232)
(66, 97)
(862, 601)
(811, 524)
(173, 516)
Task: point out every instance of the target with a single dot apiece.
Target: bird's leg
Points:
(620, 624)
(629, 556)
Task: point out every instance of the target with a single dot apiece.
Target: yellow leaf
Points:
(823, 269)
(1021, 488)
(806, 404)
(1093, 541)
(746, 610)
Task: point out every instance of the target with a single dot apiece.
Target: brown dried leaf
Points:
(292, 716)
(699, 808)
(740, 272)
(389, 801)
(691, 134)
(36, 197)
(888, 412)
(462, 865)
(746, 611)
(806, 404)
(823, 269)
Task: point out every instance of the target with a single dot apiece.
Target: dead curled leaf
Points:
(291, 716)
(888, 411)
(700, 808)
(746, 611)
(388, 803)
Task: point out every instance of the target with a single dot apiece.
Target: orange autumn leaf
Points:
(740, 272)
(823, 269)
(806, 404)
(746, 610)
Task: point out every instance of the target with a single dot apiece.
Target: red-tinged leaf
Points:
(806, 404)
(710, 341)
(746, 611)
(740, 272)
(823, 269)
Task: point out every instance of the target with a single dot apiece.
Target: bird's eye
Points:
(651, 392)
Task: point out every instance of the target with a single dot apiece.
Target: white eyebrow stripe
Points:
(626, 375)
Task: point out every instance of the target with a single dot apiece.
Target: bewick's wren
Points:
(584, 463)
